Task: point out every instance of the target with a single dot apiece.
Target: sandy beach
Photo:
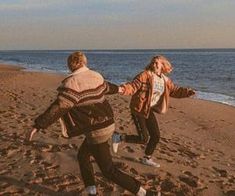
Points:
(196, 150)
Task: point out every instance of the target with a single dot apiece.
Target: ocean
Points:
(211, 72)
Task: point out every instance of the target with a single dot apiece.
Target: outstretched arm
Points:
(57, 109)
(111, 88)
(130, 88)
(179, 92)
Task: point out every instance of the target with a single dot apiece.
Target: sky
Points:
(116, 24)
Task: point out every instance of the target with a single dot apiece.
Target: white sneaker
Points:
(150, 162)
(116, 139)
(91, 190)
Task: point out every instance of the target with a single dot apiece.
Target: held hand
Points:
(120, 90)
(29, 134)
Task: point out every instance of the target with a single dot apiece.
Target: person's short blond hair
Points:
(167, 67)
(76, 60)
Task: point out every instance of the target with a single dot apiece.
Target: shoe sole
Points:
(157, 166)
(115, 147)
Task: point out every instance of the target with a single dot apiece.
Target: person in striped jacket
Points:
(82, 108)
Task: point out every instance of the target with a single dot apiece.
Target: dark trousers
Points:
(101, 153)
(145, 128)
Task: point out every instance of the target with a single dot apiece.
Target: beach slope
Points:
(196, 150)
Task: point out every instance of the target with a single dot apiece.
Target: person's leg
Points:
(101, 153)
(140, 138)
(153, 129)
(154, 133)
(86, 168)
(142, 131)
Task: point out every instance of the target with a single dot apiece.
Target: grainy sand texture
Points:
(196, 149)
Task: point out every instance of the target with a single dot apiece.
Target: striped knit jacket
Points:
(81, 107)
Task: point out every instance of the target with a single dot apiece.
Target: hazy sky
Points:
(116, 24)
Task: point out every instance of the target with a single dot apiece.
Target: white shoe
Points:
(150, 162)
(91, 190)
(116, 139)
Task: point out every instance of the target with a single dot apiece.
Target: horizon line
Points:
(117, 49)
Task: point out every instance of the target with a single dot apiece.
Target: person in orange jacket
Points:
(150, 90)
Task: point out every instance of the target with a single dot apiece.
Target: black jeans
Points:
(101, 153)
(145, 128)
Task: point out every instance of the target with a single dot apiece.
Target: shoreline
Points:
(8, 67)
(196, 149)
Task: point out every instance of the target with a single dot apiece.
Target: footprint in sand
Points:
(2, 111)
(129, 149)
(164, 140)
(187, 152)
(11, 108)
(3, 172)
(172, 150)
(27, 153)
(70, 182)
(121, 128)
(52, 167)
(39, 174)
(12, 190)
(52, 180)
(121, 165)
(3, 186)
(12, 152)
(51, 148)
(221, 172)
(189, 179)
(3, 152)
(134, 171)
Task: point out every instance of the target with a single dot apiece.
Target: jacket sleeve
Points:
(56, 110)
(130, 88)
(176, 91)
(111, 88)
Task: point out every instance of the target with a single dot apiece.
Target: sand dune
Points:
(196, 151)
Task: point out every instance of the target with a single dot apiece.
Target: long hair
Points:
(167, 67)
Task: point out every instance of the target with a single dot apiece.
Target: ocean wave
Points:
(12, 62)
(221, 98)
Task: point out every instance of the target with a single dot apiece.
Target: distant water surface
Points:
(210, 71)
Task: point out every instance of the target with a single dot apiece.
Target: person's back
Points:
(91, 113)
(81, 99)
